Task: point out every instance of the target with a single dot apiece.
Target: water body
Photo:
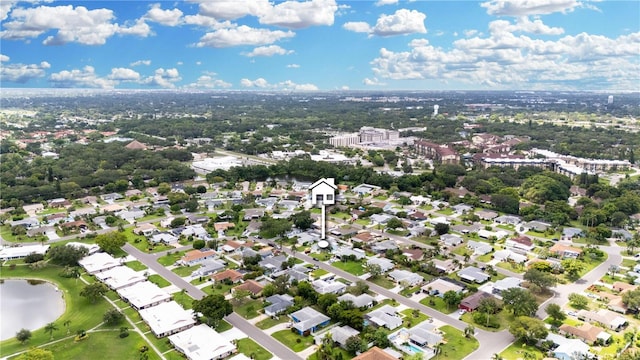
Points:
(28, 304)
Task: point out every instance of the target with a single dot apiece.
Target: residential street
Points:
(275, 347)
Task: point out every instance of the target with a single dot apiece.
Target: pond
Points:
(28, 304)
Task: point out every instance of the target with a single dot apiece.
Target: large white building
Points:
(120, 277)
(20, 252)
(143, 295)
(167, 318)
(202, 343)
(98, 262)
(366, 135)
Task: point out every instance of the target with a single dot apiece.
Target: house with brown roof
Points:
(471, 302)
(521, 243)
(196, 256)
(364, 236)
(623, 287)
(233, 275)
(375, 353)
(254, 287)
(223, 226)
(586, 332)
(565, 251)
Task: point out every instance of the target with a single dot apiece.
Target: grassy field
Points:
(504, 318)
(437, 303)
(79, 311)
(158, 280)
(290, 339)
(218, 288)
(248, 309)
(384, 282)
(183, 271)
(170, 259)
(518, 349)
(252, 350)
(183, 299)
(270, 322)
(410, 320)
(136, 265)
(107, 344)
(457, 346)
(352, 267)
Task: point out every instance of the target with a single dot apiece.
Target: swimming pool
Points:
(414, 348)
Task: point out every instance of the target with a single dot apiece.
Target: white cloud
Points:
(402, 22)
(21, 73)
(523, 24)
(141, 62)
(288, 14)
(373, 82)
(207, 22)
(85, 77)
(124, 74)
(293, 66)
(357, 26)
(529, 7)
(300, 15)
(287, 85)
(270, 50)
(344, 87)
(88, 27)
(209, 82)
(386, 2)
(164, 17)
(503, 60)
(163, 78)
(242, 35)
(231, 10)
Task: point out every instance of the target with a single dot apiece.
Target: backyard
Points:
(252, 350)
(456, 346)
(352, 267)
(293, 340)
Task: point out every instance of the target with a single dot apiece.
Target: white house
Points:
(167, 318)
(323, 192)
(143, 295)
(20, 252)
(202, 343)
(98, 262)
(120, 277)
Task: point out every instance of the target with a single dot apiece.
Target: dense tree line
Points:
(95, 168)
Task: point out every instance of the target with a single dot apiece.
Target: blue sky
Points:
(312, 45)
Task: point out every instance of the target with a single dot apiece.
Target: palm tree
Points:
(496, 357)
(50, 328)
(469, 330)
(66, 324)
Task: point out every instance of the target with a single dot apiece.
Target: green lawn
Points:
(183, 271)
(504, 318)
(511, 266)
(437, 303)
(318, 273)
(79, 311)
(248, 309)
(323, 256)
(409, 291)
(252, 350)
(445, 211)
(290, 339)
(518, 349)
(410, 320)
(270, 322)
(136, 265)
(223, 326)
(344, 354)
(104, 345)
(352, 267)
(158, 280)
(170, 259)
(384, 282)
(218, 288)
(456, 346)
(183, 299)
(142, 244)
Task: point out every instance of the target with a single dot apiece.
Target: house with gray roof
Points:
(209, 267)
(404, 276)
(328, 287)
(278, 304)
(360, 301)
(307, 320)
(486, 214)
(569, 349)
(451, 240)
(473, 274)
(423, 335)
(383, 246)
(339, 335)
(505, 284)
(272, 263)
(569, 233)
(478, 247)
(344, 251)
(384, 263)
(386, 316)
(508, 219)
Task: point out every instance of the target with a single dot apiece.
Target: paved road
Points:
(490, 342)
(259, 336)
(562, 292)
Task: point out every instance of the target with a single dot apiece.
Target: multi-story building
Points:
(439, 153)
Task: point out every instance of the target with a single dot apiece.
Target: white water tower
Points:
(435, 109)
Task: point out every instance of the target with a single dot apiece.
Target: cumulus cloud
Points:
(373, 82)
(73, 24)
(124, 74)
(209, 82)
(386, 2)
(288, 14)
(270, 50)
(524, 24)
(141, 62)
(78, 78)
(164, 78)
(402, 22)
(287, 85)
(21, 73)
(530, 7)
(164, 17)
(242, 35)
(504, 60)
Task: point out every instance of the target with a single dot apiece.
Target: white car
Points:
(462, 311)
(572, 313)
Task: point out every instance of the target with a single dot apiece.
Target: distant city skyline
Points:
(322, 45)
